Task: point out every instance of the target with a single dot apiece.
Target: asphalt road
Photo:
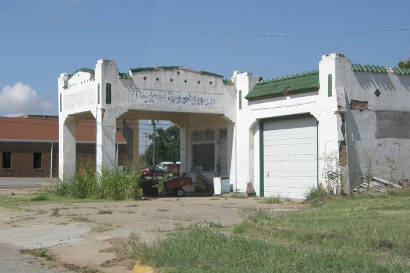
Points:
(11, 261)
(25, 182)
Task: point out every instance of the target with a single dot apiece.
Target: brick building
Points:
(29, 146)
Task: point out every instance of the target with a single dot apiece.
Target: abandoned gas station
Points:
(275, 136)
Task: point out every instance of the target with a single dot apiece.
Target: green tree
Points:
(405, 64)
(166, 145)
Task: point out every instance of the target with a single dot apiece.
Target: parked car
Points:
(163, 165)
(152, 171)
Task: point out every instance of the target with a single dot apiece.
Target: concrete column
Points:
(105, 140)
(133, 141)
(232, 155)
(183, 146)
(66, 147)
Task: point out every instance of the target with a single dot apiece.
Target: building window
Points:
(108, 93)
(6, 160)
(240, 99)
(37, 160)
(203, 156)
(329, 85)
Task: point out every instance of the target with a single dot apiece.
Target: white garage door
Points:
(289, 157)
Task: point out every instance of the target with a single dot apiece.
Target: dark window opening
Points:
(37, 160)
(329, 85)
(108, 93)
(203, 156)
(6, 160)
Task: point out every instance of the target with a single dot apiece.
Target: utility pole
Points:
(145, 141)
(153, 142)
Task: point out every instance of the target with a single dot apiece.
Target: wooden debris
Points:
(377, 184)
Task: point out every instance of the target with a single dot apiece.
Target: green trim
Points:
(84, 69)
(124, 76)
(261, 161)
(108, 93)
(329, 85)
(284, 86)
(240, 99)
(140, 69)
(296, 116)
(227, 82)
(402, 71)
(379, 69)
(153, 68)
(211, 74)
(368, 68)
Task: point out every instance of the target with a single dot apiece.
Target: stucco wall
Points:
(378, 131)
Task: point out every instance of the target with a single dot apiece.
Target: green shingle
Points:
(124, 76)
(368, 68)
(211, 74)
(87, 70)
(402, 71)
(379, 69)
(288, 85)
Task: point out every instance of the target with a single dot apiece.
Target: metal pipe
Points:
(51, 160)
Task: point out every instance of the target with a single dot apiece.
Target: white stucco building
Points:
(277, 135)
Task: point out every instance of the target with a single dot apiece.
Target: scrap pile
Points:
(378, 185)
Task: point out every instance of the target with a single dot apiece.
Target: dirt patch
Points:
(82, 236)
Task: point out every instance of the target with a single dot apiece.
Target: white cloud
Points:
(22, 98)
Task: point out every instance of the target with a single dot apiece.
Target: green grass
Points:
(41, 196)
(270, 200)
(369, 233)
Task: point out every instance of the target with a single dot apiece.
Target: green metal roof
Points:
(87, 70)
(402, 71)
(141, 69)
(369, 68)
(288, 85)
(211, 74)
(379, 69)
(124, 76)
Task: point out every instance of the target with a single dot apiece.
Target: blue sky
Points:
(35, 51)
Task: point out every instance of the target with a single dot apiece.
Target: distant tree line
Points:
(166, 145)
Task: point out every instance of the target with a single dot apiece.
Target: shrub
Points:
(111, 184)
(318, 196)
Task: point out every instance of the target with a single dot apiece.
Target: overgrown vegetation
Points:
(360, 233)
(39, 252)
(41, 196)
(111, 184)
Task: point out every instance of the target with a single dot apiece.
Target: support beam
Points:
(67, 147)
(105, 140)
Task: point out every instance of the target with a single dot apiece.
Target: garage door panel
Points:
(297, 193)
(296, 148)
(297, 158)
(299, 165)
(290, 157)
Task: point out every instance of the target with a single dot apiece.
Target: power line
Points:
(197, 33)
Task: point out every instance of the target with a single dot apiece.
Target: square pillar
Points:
(66, 147)
(183, 148)
(105, 140)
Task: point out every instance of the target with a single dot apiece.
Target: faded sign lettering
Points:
(176, 98)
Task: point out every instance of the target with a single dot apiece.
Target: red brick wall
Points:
(22, 158)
